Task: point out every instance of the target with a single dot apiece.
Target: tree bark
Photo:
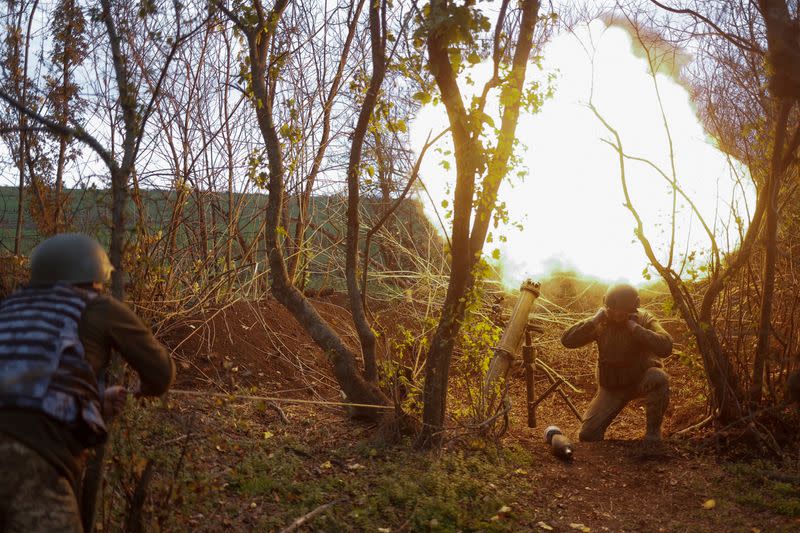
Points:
(783, 52)
(437, 363)
(23, 135)
(770, 252)
(62, 143)
(365, 334)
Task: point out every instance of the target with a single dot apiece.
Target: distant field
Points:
(87, 211)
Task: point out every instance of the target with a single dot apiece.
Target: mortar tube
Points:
(510, 342)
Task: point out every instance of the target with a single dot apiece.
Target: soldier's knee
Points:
(655, 379)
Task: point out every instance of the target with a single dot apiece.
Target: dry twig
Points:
(309, 516)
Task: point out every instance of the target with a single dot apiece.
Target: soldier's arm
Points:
(653, 335)
(138, 347)
(580, 334)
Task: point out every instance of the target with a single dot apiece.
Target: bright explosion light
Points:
(571, 204)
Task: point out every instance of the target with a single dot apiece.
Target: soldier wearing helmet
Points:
(56, 338)
(630, 344)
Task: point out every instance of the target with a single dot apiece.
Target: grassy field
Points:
(87, 211)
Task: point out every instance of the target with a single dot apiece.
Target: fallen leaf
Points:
(326, 464)
(709, 504)
(504, 509)
(521, 472)
(384, 530)
(580, 527)
(544, 526)
(495, 518)
(355, 466)
(268, 435)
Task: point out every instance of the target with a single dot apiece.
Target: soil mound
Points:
(255, 344)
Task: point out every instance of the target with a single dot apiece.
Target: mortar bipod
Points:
(530, 364)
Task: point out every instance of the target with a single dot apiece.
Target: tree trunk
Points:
(365, 334)
(62, 144)
(354, 386)
(723, 382)
(119, 195)
(232, 223)
(437, 364)
(23, 134)
(59, 185)
(770, 249)
(466, 246)
(20, 197)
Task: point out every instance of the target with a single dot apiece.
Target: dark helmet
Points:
(622, 297)
(71, 258)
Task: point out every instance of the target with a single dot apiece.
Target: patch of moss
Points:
(753, 486)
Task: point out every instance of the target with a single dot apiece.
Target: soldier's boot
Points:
(656, 388)
(655, 417)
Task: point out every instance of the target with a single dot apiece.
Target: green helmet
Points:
(622, 297)
(71, 258)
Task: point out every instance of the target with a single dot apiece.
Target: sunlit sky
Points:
(571, 204)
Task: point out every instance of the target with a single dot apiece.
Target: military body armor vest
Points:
(42, 360)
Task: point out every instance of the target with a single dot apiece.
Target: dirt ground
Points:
(236, 465)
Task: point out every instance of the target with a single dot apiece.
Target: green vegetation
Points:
(759, 485)
(266, 479)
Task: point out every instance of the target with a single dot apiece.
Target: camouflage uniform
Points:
(628, 368)
(34, 496)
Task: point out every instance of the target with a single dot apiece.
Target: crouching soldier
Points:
(630, 342)
(56, 337)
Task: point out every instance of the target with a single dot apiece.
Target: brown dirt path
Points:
(621, 484)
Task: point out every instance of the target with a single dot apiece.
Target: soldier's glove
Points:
(114, 401)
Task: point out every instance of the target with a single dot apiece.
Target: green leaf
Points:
(422, 97)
